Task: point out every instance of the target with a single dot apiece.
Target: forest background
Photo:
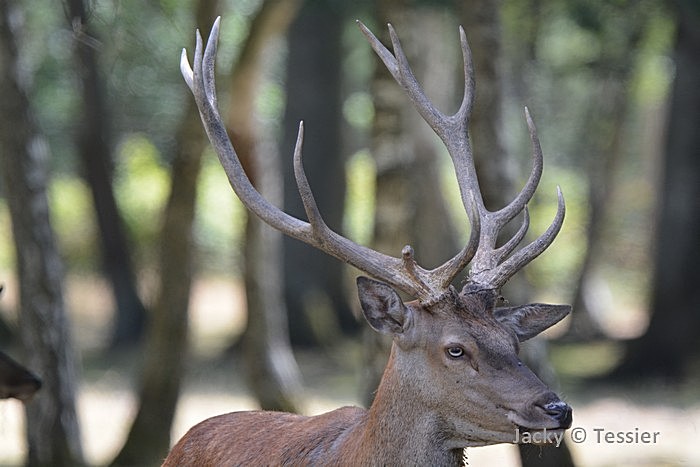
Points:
(138, 289)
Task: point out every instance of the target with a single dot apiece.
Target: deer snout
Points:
(559, 411)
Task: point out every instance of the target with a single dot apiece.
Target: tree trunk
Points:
(670, 343)
(95, 151)
(605, 116)
(606, 109)
(52, 424)
(314, 290)
(270, 365)
(148, 440)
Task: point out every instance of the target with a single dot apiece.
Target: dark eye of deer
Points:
(455, 352)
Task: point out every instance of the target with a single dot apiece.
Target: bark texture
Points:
(52, 425)
(95, 152)
(272, 371)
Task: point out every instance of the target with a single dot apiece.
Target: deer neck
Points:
(399, 430)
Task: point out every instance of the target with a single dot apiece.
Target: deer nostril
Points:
(560, 411)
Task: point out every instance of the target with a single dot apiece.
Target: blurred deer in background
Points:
(453, 378)
(16, 381)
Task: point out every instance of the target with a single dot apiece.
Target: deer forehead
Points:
(464, 322)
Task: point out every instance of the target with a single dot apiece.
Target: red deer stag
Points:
(453, 378)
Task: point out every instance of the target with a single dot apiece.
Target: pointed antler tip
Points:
(186, 69)
(300, 136)
(530, 121)
(185, 62)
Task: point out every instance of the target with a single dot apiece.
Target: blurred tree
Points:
(272, 370)
(52, 423)
(95, 151)
(410, 207)
(670, 343)
(148, 440)
(619, 26)
(313, 280)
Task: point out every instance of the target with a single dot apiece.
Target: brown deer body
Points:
(453, 379)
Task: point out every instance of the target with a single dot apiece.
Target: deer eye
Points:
(455, 352)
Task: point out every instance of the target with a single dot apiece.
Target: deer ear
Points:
(529, 320)
(382, 306)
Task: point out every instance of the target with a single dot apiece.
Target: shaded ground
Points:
(106, 402)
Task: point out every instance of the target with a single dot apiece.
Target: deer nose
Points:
(560, 411)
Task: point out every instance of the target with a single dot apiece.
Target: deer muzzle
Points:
(559, 411)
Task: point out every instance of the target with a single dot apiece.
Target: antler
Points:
(404, 273)
(489, 266)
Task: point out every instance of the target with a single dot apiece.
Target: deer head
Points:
(455, 353)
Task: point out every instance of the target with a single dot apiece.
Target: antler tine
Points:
(497, 277)
(208, 65)
(445, 274)
(400, 273)
(186, 70)
(307, 196)
(510, 245)
(465, 109)
(506, 214)
(201, 78)
(398, 66)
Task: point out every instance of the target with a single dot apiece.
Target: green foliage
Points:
(220, 220)
(565, 54)
(359, 200)
(7, 252)
(586, 360)
(72, 217)
(358, 110)
(141, 186)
